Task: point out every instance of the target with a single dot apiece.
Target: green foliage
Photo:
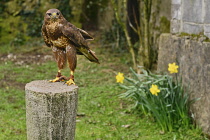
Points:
(90, 11)
(114, 38)
(12, 30)
(2, 6)
(21, 20)
(33, 19)
(169, 108)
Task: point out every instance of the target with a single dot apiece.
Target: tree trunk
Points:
(133, 18)
(145, 49)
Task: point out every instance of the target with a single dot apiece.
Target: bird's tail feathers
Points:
(90, 55)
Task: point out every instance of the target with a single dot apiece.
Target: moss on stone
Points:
(192, 35)
(195, 36)
(164, 25)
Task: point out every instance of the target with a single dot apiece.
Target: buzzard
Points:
(66, 41)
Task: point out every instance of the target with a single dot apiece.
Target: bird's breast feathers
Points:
(56, 36)
(60, 42)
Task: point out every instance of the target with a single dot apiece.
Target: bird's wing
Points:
(85, 34)
(44, 34)
(75, 35)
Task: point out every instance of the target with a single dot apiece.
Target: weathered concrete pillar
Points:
(50, 110)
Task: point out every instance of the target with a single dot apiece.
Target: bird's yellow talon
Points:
(70, 82)
(55, 80)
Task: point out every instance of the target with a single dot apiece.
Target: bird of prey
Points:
(66, 40)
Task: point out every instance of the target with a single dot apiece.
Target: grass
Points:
(102, 115)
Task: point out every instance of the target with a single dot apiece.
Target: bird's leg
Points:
(71, 79)
(72, 60)
(60, 57)
(59, 77)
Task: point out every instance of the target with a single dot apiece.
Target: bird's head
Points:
(53, 15)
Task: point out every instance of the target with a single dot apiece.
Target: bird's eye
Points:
(49, 14)
(57, 13)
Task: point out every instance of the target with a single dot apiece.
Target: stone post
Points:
(50, 110)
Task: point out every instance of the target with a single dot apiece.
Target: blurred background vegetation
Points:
(124, 26)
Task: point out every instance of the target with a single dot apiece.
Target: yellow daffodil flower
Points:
(120, 77)
(154, 90)
(173, 68)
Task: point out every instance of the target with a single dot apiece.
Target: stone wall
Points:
(191, 16)
(193, 58)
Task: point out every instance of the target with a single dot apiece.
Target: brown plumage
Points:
(66, 40)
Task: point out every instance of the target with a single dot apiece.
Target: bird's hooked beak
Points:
(54, 16)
